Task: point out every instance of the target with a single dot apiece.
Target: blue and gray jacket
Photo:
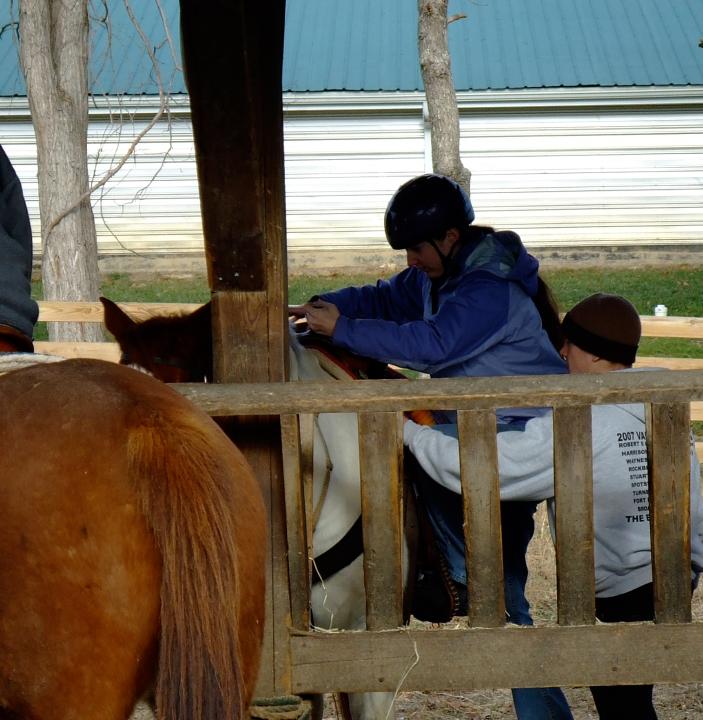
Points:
(484, 321)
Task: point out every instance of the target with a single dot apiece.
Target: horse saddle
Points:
(353, 366)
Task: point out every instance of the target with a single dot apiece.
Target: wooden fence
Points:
(483, 653)
(664, 327)
(486, 653)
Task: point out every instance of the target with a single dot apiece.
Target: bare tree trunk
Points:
(54, 56)
(436, 71)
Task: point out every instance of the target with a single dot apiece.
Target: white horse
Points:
(338, 601)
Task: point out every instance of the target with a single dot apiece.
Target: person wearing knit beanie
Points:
(602, 333)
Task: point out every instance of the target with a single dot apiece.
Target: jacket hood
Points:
(502, 254)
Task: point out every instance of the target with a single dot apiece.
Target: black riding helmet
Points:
(424, 208)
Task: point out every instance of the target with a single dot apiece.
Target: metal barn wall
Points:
(591, 172)
(568, 170)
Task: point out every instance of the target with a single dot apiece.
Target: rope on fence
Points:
(284, 707)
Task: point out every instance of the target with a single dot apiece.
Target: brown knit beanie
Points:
(607, 326)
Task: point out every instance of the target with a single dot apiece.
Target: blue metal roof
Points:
(119, 56)
(371, 45)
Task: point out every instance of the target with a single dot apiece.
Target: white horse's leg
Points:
(371, 706)
(340, 603)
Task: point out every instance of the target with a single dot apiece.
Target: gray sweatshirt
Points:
(620, 486)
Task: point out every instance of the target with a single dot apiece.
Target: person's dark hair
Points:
(424, 208)
(549, 313)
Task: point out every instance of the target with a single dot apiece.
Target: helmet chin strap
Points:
(446, 260)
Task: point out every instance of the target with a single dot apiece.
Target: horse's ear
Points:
(201, 318)
(115, 319)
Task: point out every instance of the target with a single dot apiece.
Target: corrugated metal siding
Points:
(340, 174)
(367, 45)
(564, 167)
(567, 178)
(588, 179)
(119, 61)
(577, 43)
(151, 205)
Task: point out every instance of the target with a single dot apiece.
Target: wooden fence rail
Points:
(485, 653)
(678, 327)
(93, 312)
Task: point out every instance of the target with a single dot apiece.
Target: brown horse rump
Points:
(131, 550)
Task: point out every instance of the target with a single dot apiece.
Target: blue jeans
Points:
(444, 509)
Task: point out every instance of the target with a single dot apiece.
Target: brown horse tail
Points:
(186, 477)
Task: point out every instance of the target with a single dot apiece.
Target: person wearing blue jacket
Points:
(466, 305)
(18, 311)
(470, 303)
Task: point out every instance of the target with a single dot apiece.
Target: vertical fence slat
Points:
(380, 507)
(306, 423)
(573, 491)
(296, 523)
(481, 500)
(669, 503)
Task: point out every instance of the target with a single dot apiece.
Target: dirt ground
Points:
(673, 702)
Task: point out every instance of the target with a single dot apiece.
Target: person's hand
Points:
(322, 316)
(297, 310)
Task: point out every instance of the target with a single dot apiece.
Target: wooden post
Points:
(573, 490)
(480, 487)
(233, 58)
(669, 510)
(381, 516)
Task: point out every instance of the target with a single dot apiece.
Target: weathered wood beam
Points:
(233, 59)
(669, 503)
(481, 504)
(439, 394)
(459, 659)
(573, 490)
(379, 437)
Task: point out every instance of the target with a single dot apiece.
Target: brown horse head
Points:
(173, 348)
